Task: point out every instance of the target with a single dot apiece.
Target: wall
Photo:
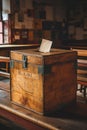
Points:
(77, 20)
(41, 19)
(60, 10)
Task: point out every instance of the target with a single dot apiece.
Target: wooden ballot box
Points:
(43, 82)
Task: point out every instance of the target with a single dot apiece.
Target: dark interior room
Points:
(43, 64)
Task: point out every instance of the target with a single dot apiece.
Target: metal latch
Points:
(23, 61)
(24, 64)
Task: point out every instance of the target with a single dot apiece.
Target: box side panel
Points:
(60, 86)
(60, 58)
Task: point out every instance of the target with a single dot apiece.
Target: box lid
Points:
(55, 55)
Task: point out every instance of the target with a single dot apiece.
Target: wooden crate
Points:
(43, 82)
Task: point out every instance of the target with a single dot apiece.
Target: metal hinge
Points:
(44, 69)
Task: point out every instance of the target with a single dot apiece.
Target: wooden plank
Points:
(4, 59)
(5, 49)
(83, 71)
(5, 74)
(81, 52)
(12, 46)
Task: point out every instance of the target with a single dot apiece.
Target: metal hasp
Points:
(23, 61)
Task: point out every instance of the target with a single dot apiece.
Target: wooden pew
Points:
(4, 71)
(82, 69)
(5, 51)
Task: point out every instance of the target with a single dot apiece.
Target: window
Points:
(4, 20)
(1, 32)
(6, 34)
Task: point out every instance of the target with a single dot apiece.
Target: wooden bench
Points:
(82, 70)
(82, 76)
(4, 71)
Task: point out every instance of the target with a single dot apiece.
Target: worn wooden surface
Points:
(81, 52)
(18, 46)
(55, 85)
(5, 49)
(72, 118)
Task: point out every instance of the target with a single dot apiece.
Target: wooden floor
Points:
(15, 117)
(8, 125)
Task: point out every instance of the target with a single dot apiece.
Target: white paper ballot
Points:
(45, 45)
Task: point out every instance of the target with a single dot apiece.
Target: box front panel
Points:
(27, 86)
